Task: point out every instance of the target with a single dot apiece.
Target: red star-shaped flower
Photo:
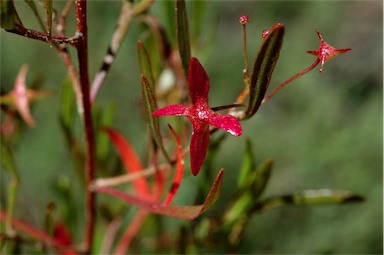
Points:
(20, 97)
(200, 115)
(325, 51)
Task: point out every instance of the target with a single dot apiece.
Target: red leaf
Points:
(182, 212)
(130, 159)
(31, 230)
(61, 234)
(179, 170)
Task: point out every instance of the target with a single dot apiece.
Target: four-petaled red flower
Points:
(200, 115)
(325, 51)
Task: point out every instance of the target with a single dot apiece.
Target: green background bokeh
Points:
(323, 131)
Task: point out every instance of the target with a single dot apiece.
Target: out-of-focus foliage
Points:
(323, 131)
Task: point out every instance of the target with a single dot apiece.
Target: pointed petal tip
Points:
(195, 172)
(175, 109)
(236, 132)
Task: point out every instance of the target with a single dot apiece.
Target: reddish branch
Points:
(41, 36)
(82, 53)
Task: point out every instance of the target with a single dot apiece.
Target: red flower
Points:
(20, 96)
(200, 115)
(325, 51)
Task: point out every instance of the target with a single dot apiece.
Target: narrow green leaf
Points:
(49, 218)
(7, 159)
(248, 165)
(239, 209)
(150, 106)
(182, 34)
(310, 197)
(262, 174)
(67, 105)
(8, 14)
(263, 67)
(145, 63)
(8, 162)
(105, 119)
(182, 212)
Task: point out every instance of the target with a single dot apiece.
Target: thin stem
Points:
(219, 108)
(245, 72)
(109, 235)
(63, 53)
(63, 17)
(240, 99)
(45, 37)
(125, 178)
(306, 70)
(131, 232)
(82, 53)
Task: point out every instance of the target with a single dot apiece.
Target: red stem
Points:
(31, 230)
(131, 231)
(41, 36)
(82, 53)
(306, 70)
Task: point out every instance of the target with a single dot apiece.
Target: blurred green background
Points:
(323, 131)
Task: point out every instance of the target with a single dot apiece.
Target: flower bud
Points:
(244, 20)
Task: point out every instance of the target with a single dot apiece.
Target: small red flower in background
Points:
(20, 96)
(325, 51)
(200, 115)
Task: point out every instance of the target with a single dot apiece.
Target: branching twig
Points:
(45, 37)
(128, 12)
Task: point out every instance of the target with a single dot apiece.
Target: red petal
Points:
(182, 212)
(227, 122)
(175, 109)
(20, 95)
(198, 81)
(130, 159)
(198, 148)
(179, 170)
